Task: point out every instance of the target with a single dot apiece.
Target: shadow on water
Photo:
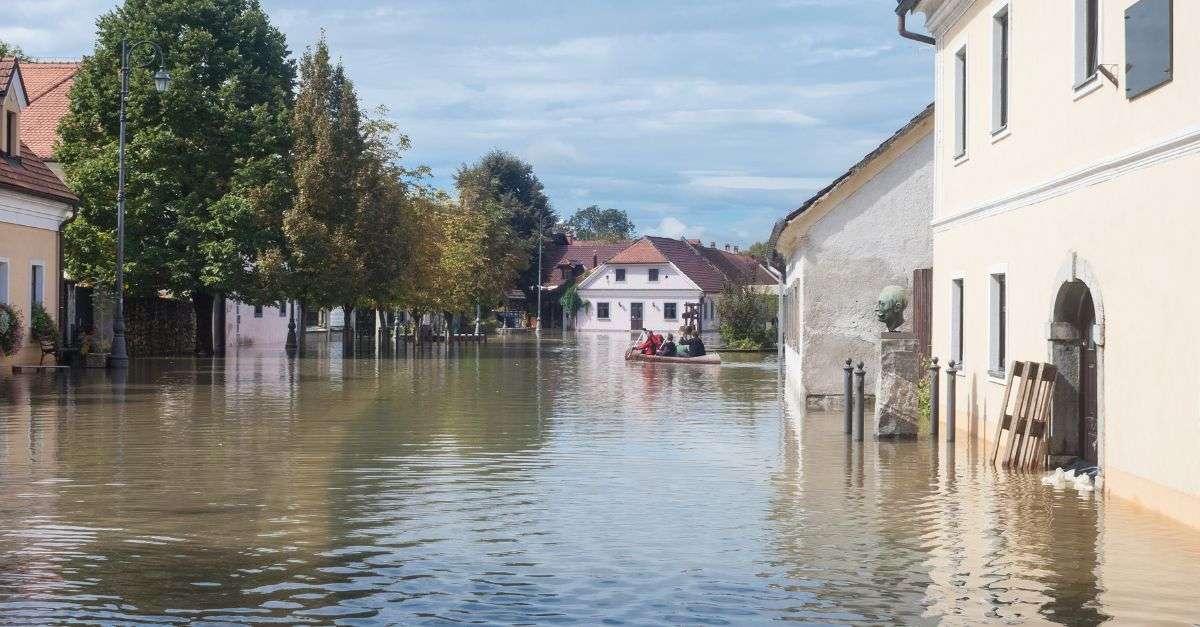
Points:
(525, 481)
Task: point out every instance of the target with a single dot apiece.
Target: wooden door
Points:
(635, 316)
(922, 312)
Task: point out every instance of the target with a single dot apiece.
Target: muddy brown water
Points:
(537, 484)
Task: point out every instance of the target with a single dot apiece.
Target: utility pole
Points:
(541, 236)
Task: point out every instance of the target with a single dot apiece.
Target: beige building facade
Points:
(34, 204)
(1067, 147)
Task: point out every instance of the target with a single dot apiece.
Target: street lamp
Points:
(162, 79)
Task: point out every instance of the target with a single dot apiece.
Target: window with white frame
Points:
(1001, 42)
(4, 281)
(670, 311)
(653, 275)
(620, 275)
(37, 286)
(998, 323)
(956, 321)
(602, 311)
(960, 102)
(258, 311)
(1087, 40)
(283, 309)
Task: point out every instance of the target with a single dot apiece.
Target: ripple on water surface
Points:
(509, 484)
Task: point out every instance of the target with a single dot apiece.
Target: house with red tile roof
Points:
(48, 84)
(564, 261)
(34, 204)
(650, 283)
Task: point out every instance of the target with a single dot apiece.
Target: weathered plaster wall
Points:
(873, 238)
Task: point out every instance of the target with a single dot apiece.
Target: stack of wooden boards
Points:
(1028, 422)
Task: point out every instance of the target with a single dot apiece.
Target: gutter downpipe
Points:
(902, 10)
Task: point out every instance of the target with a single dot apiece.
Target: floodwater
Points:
(526, 483)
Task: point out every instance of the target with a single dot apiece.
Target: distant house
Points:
(868, 229)
(650, 283)
(564, 260)
(34, 204)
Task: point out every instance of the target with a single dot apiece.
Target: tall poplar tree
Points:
(208, 177)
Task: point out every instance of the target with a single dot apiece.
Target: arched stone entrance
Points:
(1076, 337)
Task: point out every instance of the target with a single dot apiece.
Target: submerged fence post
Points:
(935, 382)
(951, 379)
(848, 389)
(860, 377)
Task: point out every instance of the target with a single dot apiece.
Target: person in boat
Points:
(650, 343)
(668, 347)
(695, 346)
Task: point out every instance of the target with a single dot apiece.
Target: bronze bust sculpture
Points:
(890, 310)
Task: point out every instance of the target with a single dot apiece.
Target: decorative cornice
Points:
(942, 15)
(1180, 145)
(32, 211)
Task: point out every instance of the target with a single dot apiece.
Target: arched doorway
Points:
(1075, 351)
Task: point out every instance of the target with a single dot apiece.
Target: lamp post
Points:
(541, 236)
(120, 358)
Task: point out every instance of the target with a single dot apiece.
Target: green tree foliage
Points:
(503, 179)
(208, 175)
(11, 50)
(746, 316)
(594, 223)
(760, 251)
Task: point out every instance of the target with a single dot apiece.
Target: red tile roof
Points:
(583, 254)
(709, 268)
(28, 174)
(48, 85)
(8, 66)
(641, 251)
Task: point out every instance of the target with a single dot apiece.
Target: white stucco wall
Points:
(872, 238)
(1093, 176)
(242, 328)
(673, 286)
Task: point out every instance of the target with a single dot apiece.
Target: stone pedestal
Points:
(896, 387)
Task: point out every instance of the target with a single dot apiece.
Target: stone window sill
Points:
(1088, 86)
(998, 376)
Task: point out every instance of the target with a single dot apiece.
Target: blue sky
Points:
(706, 118)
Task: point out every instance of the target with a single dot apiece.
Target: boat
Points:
(711, 359)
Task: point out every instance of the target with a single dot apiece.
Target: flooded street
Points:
(526, 483)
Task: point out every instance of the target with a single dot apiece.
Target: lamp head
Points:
(162, 79)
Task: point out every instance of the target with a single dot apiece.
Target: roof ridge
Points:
(55, 86)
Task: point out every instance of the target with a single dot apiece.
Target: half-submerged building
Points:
(1067, 148)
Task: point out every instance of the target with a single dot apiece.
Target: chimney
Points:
(737, 249)
(595, 260)
(712, 244)
(727, 247)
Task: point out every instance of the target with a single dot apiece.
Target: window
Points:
(669, 311)
(602, 311)
(1000, 66)
(283, 309)
(37, 285)
(956, 321)
(4, 281)
(1087, 40)
(11, 133)
(258, 311)
(960, 103)
(999, 323)
(653, 275)
(620, 275)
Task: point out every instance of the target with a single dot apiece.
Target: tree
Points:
(594, 223)
(11, 50)
(208, 177)
(746, 316)
(502, 178)
(760, 251)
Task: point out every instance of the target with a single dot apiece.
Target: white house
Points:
(868, 229)
(257, 325)
(649, 284)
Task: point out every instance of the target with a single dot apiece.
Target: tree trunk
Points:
(219, 326)
(347, 330)
(202, 305)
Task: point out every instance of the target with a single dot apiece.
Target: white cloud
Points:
(764, 183)
(671, 226)
(550, 150)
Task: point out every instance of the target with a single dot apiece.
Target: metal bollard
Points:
(848, 389)
(951, 379)
(860, 377)
(935, 382)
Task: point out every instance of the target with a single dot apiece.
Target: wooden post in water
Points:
(951, 379)
(860, 377)
(935, 382)
(848, 399)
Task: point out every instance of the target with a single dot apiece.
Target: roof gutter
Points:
(902, 10)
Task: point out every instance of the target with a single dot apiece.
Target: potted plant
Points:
(94, 350)
(11, 330)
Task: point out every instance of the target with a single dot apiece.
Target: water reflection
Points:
(529, 482)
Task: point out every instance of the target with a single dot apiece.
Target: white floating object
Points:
(1069, 475)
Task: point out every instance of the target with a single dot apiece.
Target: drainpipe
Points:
(902, 10)
(62, 280)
